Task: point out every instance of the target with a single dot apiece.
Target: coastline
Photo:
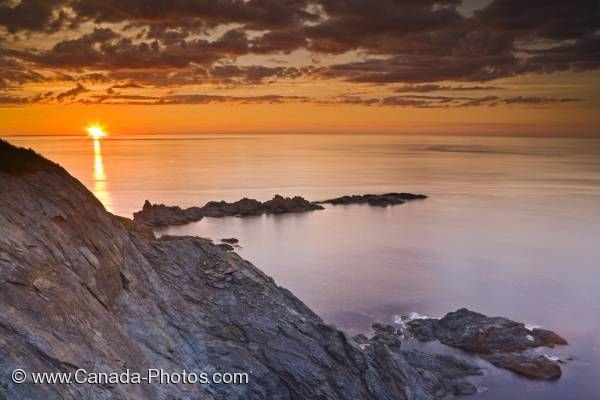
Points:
(111, 273)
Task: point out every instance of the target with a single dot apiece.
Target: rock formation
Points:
(82, 288)
(160, 215)
(499, 340)
(157, 215)
(380, 200)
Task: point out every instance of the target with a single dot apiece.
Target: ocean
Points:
(511, 226)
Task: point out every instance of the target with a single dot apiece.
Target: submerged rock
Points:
(381, 200)
(500, 340)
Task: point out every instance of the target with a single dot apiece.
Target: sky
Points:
(300, 66)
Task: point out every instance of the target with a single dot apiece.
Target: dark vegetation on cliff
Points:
(19, 161)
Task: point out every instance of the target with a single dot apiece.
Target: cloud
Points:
(535, 100)
(32, 15)
(105, 49)
(72, 93)
(423, 101)
(254, 14)
(552, 19)
(14, 73)
(415, 46)
(127, 85)
(426, 88)
(251, 74)
(192, 99)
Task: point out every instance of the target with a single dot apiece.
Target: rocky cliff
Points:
(82, 288)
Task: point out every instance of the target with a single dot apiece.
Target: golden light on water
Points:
(96, 131)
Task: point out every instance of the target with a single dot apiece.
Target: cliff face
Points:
(82, 288)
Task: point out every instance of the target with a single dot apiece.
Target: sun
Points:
(96, 131)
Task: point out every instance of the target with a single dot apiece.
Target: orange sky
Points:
(571, 120)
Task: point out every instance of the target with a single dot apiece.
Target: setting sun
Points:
(96, 131)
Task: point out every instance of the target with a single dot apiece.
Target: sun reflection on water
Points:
(100, 187)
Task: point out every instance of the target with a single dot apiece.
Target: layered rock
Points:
(500, 341)
(82, 288)
(441, 374)
(380, 200)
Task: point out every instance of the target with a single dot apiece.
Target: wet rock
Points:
(380, 200)
(463, 389)
(530, 366)
(441, 374)
(386, 334)
(230, 240)
(478, 333)
(361, 339)
(499, 340)
(225, 246)
(157, 215)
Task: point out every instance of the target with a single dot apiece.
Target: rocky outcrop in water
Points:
(441, 374)
(499, 340)
(82, 288)
(380, 200)
(157, 215)
(528, 365)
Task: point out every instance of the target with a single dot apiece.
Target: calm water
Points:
(512, 226)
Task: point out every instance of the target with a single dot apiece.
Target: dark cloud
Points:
(422, 101)
(534, 100)
(14, 73)
(552, 19)
(205, 99)
(251, 74)
(255, 14)
(192, 99)
(32, 15)
(382, 26)
(426, 88)
(279, 41)
(579, 55)
(417, 43)
(9, 100)
(6, 100)
(105, 49)
(72, 93)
